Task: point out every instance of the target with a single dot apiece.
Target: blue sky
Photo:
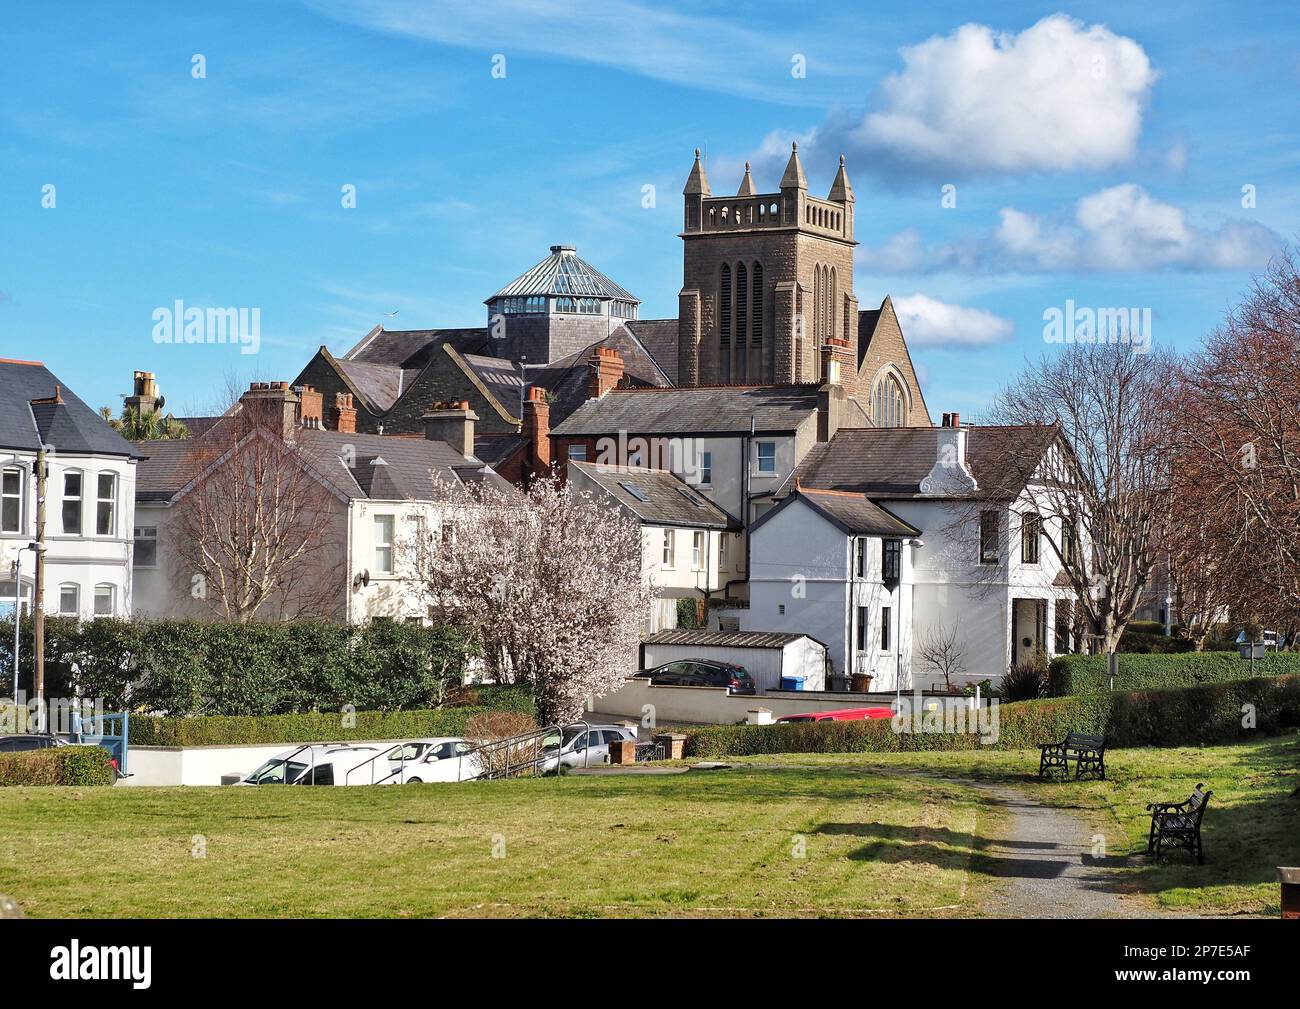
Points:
(1098, 154)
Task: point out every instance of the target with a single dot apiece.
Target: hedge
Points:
(1086, 674)
(58, 765)
(316, 726)
(1178, 717)
(193, 667)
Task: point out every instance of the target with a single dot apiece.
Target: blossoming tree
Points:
(550, 580)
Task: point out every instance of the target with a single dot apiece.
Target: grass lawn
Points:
(873, 841)
(1251, 826)
(700, 843)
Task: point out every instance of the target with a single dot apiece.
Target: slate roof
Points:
(564, 272)
(853, 514)
(566, 379)
(657, 497)
(380, 384)
(68, 426)
(727, 639)
(198, 425)
(659, 337)
(866, 330)
(406, 472)
(494, 449)
(501, 376)
(725, 409)
(891, 462)
(413, 348)
(163, 469)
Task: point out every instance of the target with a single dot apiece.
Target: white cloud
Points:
(930, 322)
(1120, 229)
(1057, 96)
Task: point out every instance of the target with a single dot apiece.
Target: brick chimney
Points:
(343, 418)
(452, 423)
(831, 396)
(274, 405)
(311, 407)
(537, 430)
(606, 366)
(144, 398)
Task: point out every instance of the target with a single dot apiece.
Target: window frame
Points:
(860, 638)
(759, 446)
(384, 545)
(577, 452)
(150, 534)
(668, 555)
(1031, 534)
(79, 501)
(891, 561)
(995, 555)
(697, 550)
(706, 469)
(112, 600)
(18, 497)
(101, 502)
(76, 599)
(886, 612)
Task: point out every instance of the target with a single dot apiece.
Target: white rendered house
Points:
(890, 537)
(89, 498)
(689, 544)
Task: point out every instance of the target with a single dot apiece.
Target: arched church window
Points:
(888, 403)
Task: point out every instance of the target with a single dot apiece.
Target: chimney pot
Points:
(606, 371)
(453, 423)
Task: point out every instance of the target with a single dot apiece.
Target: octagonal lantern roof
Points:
(564, 272)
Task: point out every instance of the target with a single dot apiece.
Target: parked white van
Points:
(312, 764)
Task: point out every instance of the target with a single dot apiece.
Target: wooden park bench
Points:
(1178, 824)
(1087, 752)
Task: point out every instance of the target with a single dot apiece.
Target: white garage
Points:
(768, 655)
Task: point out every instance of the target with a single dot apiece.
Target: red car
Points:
(839, 715)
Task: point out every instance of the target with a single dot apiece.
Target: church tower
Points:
(767, 282)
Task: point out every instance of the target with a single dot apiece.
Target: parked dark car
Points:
(701, 673)
(28, 741)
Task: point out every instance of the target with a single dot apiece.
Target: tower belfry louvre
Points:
(767, 281)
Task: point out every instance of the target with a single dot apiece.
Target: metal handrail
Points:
(347, 778)
(538, 760)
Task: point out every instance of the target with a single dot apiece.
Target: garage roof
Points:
(727, 639)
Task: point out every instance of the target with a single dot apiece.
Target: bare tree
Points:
(942, 650)
(549, 581)
(255, 532)
(1104, 485)
(1237, 406)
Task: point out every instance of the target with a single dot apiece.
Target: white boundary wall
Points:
(714, 704)
(204, 765)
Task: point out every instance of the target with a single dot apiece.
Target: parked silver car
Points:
(583, 745)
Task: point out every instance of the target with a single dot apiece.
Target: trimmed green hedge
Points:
(1178, 717)
(316, 726)
(195, 667)
(59, 765)
(1086, 674)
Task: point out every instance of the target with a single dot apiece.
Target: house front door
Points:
(1028, 629)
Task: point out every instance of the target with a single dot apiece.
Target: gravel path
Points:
(1047, 860)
